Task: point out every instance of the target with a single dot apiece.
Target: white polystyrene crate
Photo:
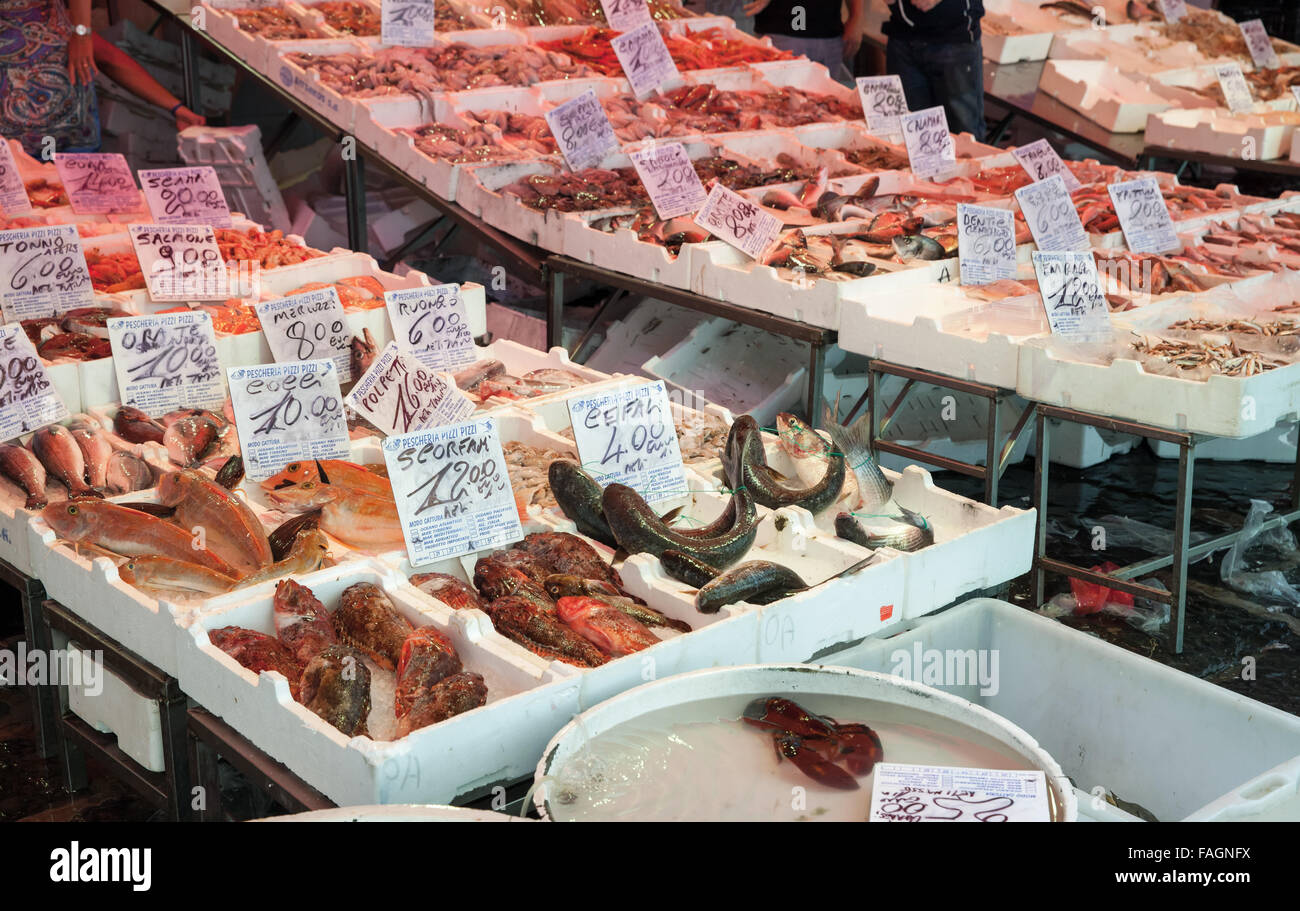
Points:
(478, 192)
(1273, 796)
(623, 250)
(250, 47)
(1277, 445)
(1081, 446)
(15, 541)
(1263, 136)
(784, 146)
(1002, 48)
(1127, 714)
(1114, 100)
(236, 154)
(653, 326)
(807, 76)
(118, 709)
(844, 135)
(306, 85)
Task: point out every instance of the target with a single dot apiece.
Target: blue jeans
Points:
(948, 74)
(829, 52)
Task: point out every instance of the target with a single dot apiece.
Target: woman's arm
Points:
(130, 75)
(81, 57)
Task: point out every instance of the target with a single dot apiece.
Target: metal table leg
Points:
(554, 307)
(190, 71)
(816, 383)
(992, 464)
(45, 700)
(1182, 533)
(354, 189)
(1042, 464)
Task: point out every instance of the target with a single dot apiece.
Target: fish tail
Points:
(854, 442)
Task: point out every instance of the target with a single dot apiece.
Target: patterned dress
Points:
(37, 96)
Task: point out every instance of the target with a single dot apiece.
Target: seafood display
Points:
(1265, 85)
(829, 752)
(488, 385)
(270, 23)
(1214, 35)
(78, 335)
(707, 49)
(1205, 357)
(350, 17)
(706, 109)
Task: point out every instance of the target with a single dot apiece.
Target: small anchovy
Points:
(755, 582)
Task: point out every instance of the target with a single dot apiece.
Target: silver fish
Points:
(912, 532)
(911, 247)
(874, 488)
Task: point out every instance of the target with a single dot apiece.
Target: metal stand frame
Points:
(1177, 562)
(45, 705)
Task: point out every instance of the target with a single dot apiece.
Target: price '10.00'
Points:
(288, 410)
(174, 354)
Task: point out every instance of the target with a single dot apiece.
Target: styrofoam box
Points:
(1277, 445)
(1200, 77)
(841, 135)
(118, 709)
(1273, 796)
(623, 250)
(478, 191)
(1111, 99)
(251, 47)
(1267, 135)
(1133, 725)
(306, 85)
(1012, 48)
(1118, 45)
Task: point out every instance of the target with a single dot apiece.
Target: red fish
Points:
(301, 621)
(607, 628)
(258, 652)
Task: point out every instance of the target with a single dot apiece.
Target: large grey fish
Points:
(879, 520)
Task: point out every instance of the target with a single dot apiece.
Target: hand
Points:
(852, 38)
(754, 7)
(187, 118)
(81, 59)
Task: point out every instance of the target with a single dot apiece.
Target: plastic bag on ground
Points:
(1145, 615)
(1268, 583)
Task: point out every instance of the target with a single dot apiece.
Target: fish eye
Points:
(292, 466)
(72, 510)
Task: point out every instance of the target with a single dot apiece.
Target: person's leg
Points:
(958, 74)
(829, 52)
(904, 59)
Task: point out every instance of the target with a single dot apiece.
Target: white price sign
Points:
(13, 190)
(626, 15)
(1076, 307)
(307, 327)
(741, 223)
(1259, 45)
(28, 400)
(399, 396)
(408, 23)
(930, 147)
(181, 262)
(431, 324)
(1173, 10)
(645, 59)
(986, 244)
(1236, 91)
(582, 131)
(668, 175)
(1144, 216)
(97, 183)
(186, 196)
(901, 792)
(452, 490)
(627, 436)
(1041, 161)
(43, 272)
(1051, 215)
(167, 362)
(288, 412)
(883, 104)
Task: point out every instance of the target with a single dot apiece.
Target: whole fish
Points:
(331, 471)
(306, 555)
(495, 579)
(128, 532)
(301, 621)
(134, 426)
(685, 568)
(607, 628)
(522, 560)
(427, 657)
(745, 462)
(561, 552)
(21, 466)
(448, 697)
(258, 652)
(448, 589)
(127, 473)
(562, 586)
(468, 377)
(156, 573)
(541, 632)
(366, 619)
(228, 525)
(336, 686)
(640, 530)
(578, 496)
(906, 531)
(913, 247)
(359, 520)
(96, 449)
(810, 454)
(189, 438)
(286, 533)
(755, 582)
(362, 352)
(62, 458)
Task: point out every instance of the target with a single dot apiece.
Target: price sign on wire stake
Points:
(986, 244)
(1259, 44)
(1076, 307)
(167, 362)
(626, 15)
(431, 324)
(1144, 216)
(13, 190)
(582, 131)
(1041, 161)
(307, 327)
(186, 196)
(731, 217)
(627, 435)
(43, 272)
(668, 175)
(1051, 215)
(917, 793)
(1236, 91)
(28, 399)
(452, 490)
(930, 147)
(408, 23)
(97, 183)
(181, 262)
(400, 396)
(883, 104)
(1173, 10)
(287, 412)
(645, 58)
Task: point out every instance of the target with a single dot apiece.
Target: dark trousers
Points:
(951, 75)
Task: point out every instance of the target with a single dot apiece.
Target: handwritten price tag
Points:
(741, 223)
(1144, 216)
(918, 793)
(626, 15)
(97, 183)
(287, 412)
(645, 59)
(930, 147)
(13, 191)
(408, 23)
(452, 490)
(668, 175)
(431, 324)
(883, 104)
(1173, 10)
(1259, 45)
(181, 262)
(1051, 215)
(1236, 91)
(43, 272)
(1075, 305)
(308, 327)
(627, 435)
(167, 362)
(399, 396)
(986, 244)
(1041, 161)
(186, 196)
(582, 131)
(28, 400)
